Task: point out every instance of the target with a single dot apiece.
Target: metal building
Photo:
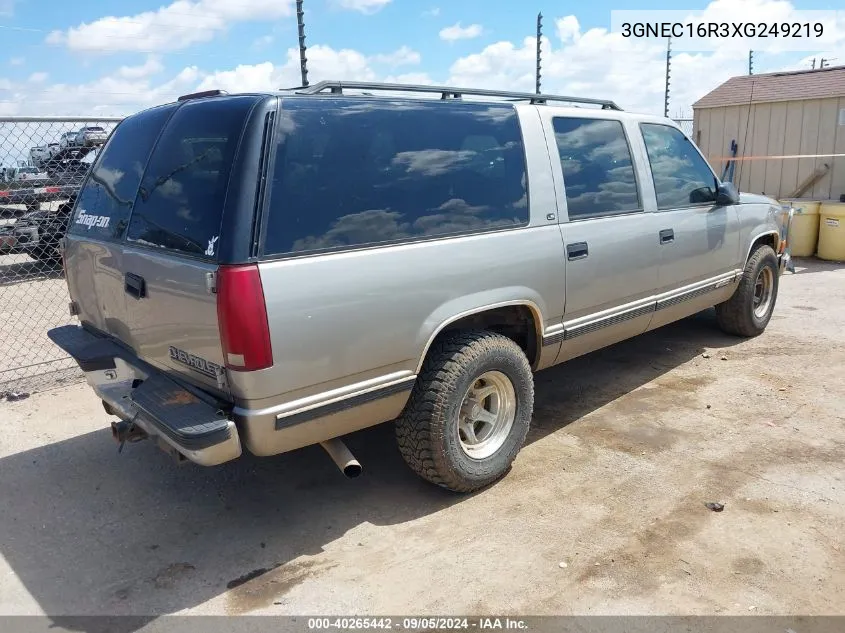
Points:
(778, 114)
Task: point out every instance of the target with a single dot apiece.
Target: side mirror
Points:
(727, 194)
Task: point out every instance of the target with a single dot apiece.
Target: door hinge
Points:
(211, 283)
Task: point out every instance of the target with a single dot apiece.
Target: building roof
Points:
(783, 86)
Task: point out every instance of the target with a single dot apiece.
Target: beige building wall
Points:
(815, 126)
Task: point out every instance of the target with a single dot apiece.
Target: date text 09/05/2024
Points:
(723, 29)
(416, 624)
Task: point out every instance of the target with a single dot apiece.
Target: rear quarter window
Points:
(351, 172)
(180, 201)
(106, 198)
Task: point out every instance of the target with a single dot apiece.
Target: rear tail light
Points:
(242, 318)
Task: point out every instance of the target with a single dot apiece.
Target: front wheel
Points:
(469, 412)
(748, 311)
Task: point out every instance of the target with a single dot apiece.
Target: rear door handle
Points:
(135, 285)
(667, 236)
(577, 250)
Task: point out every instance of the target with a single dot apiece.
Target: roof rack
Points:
(448, 93)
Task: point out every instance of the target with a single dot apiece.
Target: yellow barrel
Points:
(804, 230)
(832, 231)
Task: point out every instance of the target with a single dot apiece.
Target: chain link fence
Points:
(42, 164)
(686, 126)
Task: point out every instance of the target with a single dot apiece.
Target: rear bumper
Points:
(179, 417)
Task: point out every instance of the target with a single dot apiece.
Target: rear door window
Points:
(105, 201)
(180, 200)
(351, 172)
(598, 174)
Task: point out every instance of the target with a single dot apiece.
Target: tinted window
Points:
(681, 177)
(352, 172)
(106, 199)
(597, 171)
(180, 201)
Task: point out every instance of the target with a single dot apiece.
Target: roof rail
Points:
(448, 93)
(202, 95)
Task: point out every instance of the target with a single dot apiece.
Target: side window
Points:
(180, 201)
(598, 174)
(353, 172)
(681, 177)
(103, 206)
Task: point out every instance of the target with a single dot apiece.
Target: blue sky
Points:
(108, 57)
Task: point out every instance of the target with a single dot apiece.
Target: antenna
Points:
(745, 140)
(668, 69)
(539, 48)
(750, 62)
(303, 61)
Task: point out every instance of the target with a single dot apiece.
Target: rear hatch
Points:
(144, 241)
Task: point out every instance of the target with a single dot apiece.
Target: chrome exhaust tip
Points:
(341, 456)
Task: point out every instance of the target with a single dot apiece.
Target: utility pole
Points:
(303, 61)
(813, 66)
(539, 48)
(668, 72)
(750, 62)
(824, 63)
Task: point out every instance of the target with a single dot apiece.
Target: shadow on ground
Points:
(88, 531)
(31, 270)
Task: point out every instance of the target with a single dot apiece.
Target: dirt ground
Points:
(603, 513)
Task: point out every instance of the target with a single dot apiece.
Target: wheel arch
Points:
(519, 319)
(767, 236)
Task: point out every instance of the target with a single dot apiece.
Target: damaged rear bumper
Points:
(181, 418)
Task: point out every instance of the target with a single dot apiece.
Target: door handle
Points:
(667, 236)
(135, 285)
(577, 250)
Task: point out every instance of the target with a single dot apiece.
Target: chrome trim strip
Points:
(344, 404)
(613, 319)
(606, 318)
(328, 397)
(693, 291)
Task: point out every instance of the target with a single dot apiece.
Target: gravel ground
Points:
(603, 513)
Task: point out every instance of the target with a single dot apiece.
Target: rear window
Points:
(103, 206)
(180, 201)
(352, 173)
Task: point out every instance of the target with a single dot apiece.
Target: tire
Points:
(432, 432)
(740, 315)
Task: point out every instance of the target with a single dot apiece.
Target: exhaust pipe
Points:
(341, 456)
(123, 431)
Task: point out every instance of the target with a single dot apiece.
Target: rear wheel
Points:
(469, 412)
(748, 311)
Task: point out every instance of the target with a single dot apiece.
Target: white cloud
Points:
(601, 64)
(172, 27)
(7, 7)
(400, 57)
(568, 28)
(150, 67)
(433, 12)
(38, 78)
(323, 63)
(16, 61)
(458, 32)
(367, 7)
